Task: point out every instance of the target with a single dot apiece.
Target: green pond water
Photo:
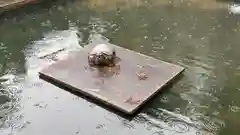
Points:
(203, 39)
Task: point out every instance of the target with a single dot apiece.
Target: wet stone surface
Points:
(126, 90)
(11, 4)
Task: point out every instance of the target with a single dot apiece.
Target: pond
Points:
(199, 35)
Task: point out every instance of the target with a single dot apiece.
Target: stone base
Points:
(133, 81)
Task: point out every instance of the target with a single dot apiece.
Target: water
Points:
(198, 35)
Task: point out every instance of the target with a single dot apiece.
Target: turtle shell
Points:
(102, 49)
(101, 55)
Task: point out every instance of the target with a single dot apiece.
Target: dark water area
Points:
(203, 38)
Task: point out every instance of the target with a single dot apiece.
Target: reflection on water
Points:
(203, 40)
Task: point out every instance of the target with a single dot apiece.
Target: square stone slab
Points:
(122, 87)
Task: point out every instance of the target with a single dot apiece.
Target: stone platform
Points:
(127, 86)
(11, 4)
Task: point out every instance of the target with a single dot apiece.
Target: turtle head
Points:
(95, 59)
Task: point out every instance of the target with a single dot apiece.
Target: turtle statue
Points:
(102, 55)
